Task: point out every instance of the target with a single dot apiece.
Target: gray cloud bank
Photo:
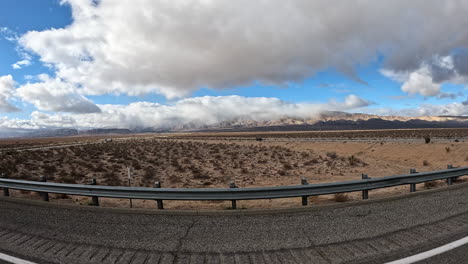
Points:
(176, 47)
(193, 112)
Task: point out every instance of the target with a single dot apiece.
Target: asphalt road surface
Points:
(455, 256)
(373, 231)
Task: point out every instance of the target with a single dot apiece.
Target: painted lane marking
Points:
(431, 253)
(14, 260)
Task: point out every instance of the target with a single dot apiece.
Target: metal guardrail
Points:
(232, 193)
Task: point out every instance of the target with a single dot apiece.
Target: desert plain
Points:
(250, 159)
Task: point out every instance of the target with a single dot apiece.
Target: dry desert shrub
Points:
(311, 162)
(341, 197)
(430, 184)
(353, 160)
(149, 175)
(112, 179)
(427, 139)
(287, 166)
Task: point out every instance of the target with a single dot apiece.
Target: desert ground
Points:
(206, 160)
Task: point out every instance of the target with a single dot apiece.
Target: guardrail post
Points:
(44, 195)
(158, 201)
(412, 185)
(304, 198)
(95, 199)
(6, 191)
(232, 184)
(365, 193)
(450, 179)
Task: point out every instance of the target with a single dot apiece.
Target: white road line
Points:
(14, 260)
(431, 253)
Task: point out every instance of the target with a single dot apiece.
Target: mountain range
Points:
(326, 121)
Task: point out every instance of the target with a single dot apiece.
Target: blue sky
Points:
(75, 64)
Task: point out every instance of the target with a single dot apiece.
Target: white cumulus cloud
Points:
(52, 94)
(175, 47)
(421, 82)
(432, 73)
(7, 89)
(20, 64)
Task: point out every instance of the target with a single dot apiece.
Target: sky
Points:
(163, 64)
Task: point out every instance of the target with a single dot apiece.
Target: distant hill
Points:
(63, 132)
(325, 121)
(369, 124)
(340, 121)
(100, 131)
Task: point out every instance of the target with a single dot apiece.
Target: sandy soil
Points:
(194, 162)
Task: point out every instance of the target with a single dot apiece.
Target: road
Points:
(454, 256)
(372, 231)
(48, 146)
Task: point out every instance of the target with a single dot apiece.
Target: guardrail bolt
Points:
(304, 198)
(232, 184)
(44, 195)
(95, 199)
(365, 193)
(158, 201)
(6, 191)
(412, 185)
